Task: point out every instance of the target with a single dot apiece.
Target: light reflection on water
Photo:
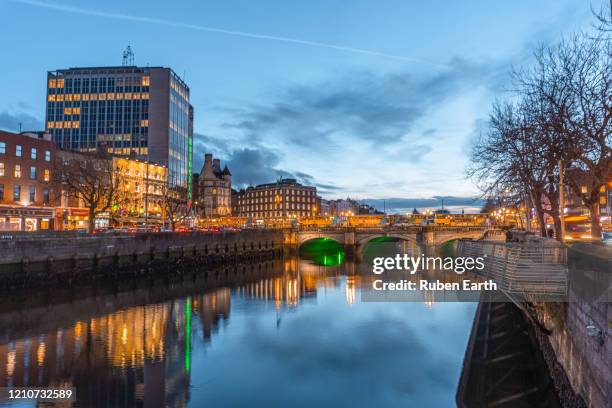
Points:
(296, 336)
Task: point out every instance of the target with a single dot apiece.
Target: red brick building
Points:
(26, 163)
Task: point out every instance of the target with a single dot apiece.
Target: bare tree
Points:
(572, 82)
(174, 205)
(89, 179)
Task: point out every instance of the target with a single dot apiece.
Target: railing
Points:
(533, 268)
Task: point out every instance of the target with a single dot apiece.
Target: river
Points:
(290, 332)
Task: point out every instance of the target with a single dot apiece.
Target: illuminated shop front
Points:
(25, 218)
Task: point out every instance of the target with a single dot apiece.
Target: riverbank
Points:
(64, 260)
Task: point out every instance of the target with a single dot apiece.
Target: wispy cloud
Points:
(158, 21)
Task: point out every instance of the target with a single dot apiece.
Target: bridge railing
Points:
(534, 268)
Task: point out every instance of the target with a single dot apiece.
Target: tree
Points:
(174, 205)
(572, 82)
(89, 179)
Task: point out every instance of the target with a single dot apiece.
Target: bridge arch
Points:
(303, 238)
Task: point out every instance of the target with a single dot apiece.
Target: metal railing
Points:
(533, 268)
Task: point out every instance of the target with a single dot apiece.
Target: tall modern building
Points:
(142, 111)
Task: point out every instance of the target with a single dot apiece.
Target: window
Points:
(18, 150)
(1, 192)
(17, 171)
(32, 173)
(2, 148)
(16, 192)
(33, 154)
(47, 155)
(46, 176)
(583, 189)
(45, 195)
(32, 194)
(1, 169)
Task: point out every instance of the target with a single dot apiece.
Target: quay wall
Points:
(53, 260)
(580, 340)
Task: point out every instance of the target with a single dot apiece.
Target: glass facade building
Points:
(141, 111)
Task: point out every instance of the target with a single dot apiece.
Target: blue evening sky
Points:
(372, 99)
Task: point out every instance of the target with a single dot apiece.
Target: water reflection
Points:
(291, 332)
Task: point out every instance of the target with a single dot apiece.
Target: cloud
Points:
(10, 121)
(250, 165)
(362, 107)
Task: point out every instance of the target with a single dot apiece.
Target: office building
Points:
(130, 110)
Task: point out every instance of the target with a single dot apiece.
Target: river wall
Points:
(579, 345)
(60, 260)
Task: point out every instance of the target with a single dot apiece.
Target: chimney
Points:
(217, 165)
(208, 168)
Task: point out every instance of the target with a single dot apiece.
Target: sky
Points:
(367, 99)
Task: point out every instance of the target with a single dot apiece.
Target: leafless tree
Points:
(572, 82)
(174, 205)
(88, 179)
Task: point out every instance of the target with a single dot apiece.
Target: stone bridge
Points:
(421, 235)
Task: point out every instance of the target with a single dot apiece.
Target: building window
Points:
(18, 150)
(16, 192)
(33, 153)
(1, 169)
(2, 148)
(583, 189)
(47, 155)
(17, 171)
(32, 194)
(46, 176)
(1, 192)
(46, 196)
(32, 173)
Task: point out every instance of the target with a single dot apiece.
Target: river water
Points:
(290, 332)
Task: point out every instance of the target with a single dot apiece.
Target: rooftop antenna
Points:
(128, 57)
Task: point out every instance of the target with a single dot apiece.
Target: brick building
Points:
(26, 162)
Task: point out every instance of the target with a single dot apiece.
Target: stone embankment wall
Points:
(53, 260)
(580, 342)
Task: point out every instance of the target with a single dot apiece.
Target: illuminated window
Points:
(67, 111)
(76, 97)
(52, 83)
(59, 98)
(60, 83)
(51, 98)
(144, 122)
(145, 81)
(85, 97)
(602, 200)
(75, 124)
(50, 125)
(1, 169)
(17, 171)
(16, 192)
(583, 189)
(68, 97)
(59, 125)
(47, 175)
